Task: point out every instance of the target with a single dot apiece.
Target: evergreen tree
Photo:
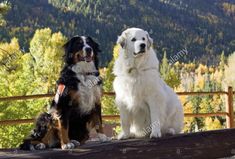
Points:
(164, 67)
(4, 7)
(168, 73)
(222, 62)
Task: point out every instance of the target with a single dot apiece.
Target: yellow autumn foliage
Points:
(212, 124)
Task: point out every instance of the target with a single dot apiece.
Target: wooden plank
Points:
(203, 145)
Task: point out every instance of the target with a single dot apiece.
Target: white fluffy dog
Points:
(147, 105)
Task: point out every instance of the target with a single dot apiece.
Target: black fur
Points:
(67, 108)
(77, 121)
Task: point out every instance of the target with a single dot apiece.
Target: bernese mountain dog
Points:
(76, 107)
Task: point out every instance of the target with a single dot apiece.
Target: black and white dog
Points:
(76, 108)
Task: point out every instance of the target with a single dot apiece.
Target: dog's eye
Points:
(133, 39)
(143, 38)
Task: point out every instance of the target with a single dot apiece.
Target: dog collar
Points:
(90, 73)
(145, 69)
(150, 68)
(93, 73)
(84, 59)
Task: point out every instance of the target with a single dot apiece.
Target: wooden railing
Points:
(228, 113)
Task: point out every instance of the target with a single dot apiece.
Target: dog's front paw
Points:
(155, 134)
(40, 146)
(75, 142)
(104, 138)
(171, 131)
(71, 145)
(123, 136)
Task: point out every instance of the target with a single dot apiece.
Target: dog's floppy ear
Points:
(95, 45)
(122, 39)
(68, 55)
(150, 40)
(96, 49)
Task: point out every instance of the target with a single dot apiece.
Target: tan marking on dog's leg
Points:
(63, 134)
(35, 142)
(48, 137)
(98, 119)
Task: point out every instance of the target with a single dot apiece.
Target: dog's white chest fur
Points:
(129, 89)
(133, 83)
(89, 95)
(89, 91)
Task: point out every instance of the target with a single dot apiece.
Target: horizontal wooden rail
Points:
(115, 117)
(203, 93)
(36, 96)
(206, 114)
(110, 117)
(24, 121)
(16, 121)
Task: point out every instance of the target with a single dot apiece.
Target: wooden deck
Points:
(202, 145)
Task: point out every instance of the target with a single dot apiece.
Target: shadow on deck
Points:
(211, 144)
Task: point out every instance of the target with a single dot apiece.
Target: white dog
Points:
(147, 105)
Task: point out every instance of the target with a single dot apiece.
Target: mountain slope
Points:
(204, 27)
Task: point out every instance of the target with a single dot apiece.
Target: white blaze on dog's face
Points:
(136, 41)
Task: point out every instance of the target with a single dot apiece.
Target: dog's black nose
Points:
(142, 46)
(88, 50)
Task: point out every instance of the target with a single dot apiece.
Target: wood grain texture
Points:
(201, 145)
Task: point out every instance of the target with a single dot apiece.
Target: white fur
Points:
(40, 146)
(147, 105)
(103, 138)
(85, 46)
(89, 92)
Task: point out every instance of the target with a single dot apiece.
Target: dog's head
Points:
(81, 49)
(136, 41)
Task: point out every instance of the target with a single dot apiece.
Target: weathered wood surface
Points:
(202, 145)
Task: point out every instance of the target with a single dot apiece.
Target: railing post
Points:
(229, 109)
